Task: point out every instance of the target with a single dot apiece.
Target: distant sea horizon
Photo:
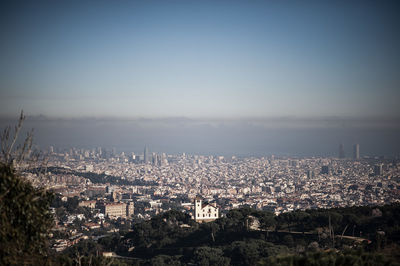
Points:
(244, 137)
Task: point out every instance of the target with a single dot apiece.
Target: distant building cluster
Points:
(356, 151)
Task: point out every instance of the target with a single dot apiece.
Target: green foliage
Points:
(84, 248)
(349, 257)
(89, 260)
(252, 250)
(240, 219)
(110, 242)
(231, 239)
(207, 256)
(164, 260)
(25, 219)
(72, 204)
(160, 229)
(352, 221)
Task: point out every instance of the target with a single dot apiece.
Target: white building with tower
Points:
(205, 212)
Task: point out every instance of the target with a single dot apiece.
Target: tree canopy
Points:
(25, 219)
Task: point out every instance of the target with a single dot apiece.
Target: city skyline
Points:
(257, 137)
(154, 157)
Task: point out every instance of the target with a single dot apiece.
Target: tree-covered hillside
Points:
(344, 236)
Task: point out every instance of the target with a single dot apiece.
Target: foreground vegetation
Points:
(366, 236)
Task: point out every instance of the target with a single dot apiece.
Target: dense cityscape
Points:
(112, 184)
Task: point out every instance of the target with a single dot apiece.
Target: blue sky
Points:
(212, 59)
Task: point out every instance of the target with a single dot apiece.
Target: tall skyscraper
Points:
(341, 151)
(146, 154)
(378, 170)
(310, 174)
(99, 152)
(356, 151)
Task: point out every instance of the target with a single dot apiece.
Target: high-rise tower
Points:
(146, 155)
(341, 151)
(356, 151)
(378, 170)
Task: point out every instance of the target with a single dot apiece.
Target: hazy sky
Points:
(224, 59)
